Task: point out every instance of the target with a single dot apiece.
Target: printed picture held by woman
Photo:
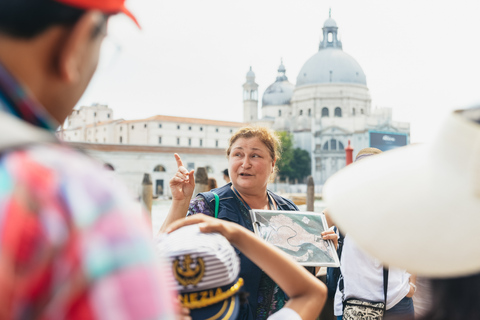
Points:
(252, 155)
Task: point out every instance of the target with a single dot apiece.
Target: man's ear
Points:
(75, 45)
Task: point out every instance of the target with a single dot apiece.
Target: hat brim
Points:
(226, 309)
(416, 207)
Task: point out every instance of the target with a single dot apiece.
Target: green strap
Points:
(217, 200)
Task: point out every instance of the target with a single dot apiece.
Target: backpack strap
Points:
(217, 202)
(385, 286)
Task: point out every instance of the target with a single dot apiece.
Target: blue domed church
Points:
(329, 106)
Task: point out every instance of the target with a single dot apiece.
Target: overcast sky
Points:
(421, 58)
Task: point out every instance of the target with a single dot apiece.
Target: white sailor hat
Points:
(205, 268)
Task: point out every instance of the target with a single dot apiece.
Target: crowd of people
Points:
(72, 247)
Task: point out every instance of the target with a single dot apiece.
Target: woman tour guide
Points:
(252, 154)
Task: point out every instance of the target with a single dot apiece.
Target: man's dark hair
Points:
(29, 18)
(225, 172)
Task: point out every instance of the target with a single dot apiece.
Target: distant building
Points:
(329, 105)
(134, 147)
(95, 124)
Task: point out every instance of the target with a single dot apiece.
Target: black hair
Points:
(455, 298)
(225, 172)
(29, 18)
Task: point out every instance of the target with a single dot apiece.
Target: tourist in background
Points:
(362, 276)
(416, 196)
(252, 154)
(226, 177)
(73, 246)
(211, 183)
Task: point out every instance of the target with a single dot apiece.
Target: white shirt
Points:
(285, 314)
(363, 278)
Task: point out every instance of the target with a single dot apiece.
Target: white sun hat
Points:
(417, 207)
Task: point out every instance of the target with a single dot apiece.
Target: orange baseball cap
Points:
(107, 6)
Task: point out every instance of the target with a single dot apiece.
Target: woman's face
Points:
(250, 166)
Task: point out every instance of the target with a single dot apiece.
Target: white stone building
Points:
(134, 147)
(329, 105)
(95, 124)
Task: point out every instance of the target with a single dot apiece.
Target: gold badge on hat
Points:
(185, 273)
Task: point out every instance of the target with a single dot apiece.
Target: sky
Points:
(190, 59)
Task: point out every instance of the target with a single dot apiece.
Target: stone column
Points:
(310, 194)
(201, 181)
(147, 193)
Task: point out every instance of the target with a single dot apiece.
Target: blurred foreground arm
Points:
(307, 294)
(182, 185)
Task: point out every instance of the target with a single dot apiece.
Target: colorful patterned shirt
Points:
(270, 297)
(72, 244)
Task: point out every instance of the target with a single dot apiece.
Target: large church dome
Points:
(280, 92)
(331, 64)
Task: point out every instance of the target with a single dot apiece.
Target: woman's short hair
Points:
(265, 135)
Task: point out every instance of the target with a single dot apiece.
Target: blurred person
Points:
(211, 183)
(71, 245)
(226, 177)
(210, 250)
(416, 196)
(363, 278)
(252, 155)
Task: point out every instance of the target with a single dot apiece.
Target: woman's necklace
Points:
(270, 203)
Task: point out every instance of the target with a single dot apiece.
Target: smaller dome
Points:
(330, 23)
(280, 92)
(277, 94)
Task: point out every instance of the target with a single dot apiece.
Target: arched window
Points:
(301, 112)
(159, 168)
(325, 112)
(279, 113)
(338, 112)
(333, 144)
(309, 112)
(340, 146)
(325, 146)
(361, 111)
(353, 111)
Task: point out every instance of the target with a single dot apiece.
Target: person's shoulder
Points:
(223, 192)
(69, 176)
(56, 157)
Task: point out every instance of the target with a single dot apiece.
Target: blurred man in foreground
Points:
(70, 244)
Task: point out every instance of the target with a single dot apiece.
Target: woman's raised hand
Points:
(183, 183)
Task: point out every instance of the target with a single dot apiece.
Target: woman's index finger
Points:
(179, 160)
